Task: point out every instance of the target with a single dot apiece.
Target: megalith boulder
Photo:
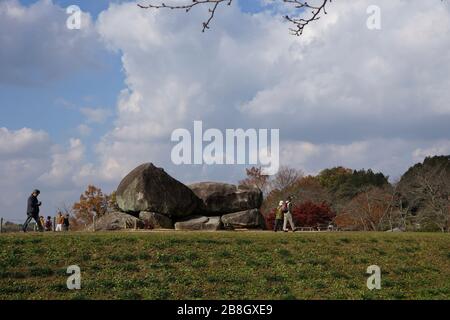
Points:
(248, 219)
(222, 198)
(149, 188)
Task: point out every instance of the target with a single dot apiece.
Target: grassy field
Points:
(225, 265)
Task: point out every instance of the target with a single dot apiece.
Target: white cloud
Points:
(84, 130)
(438, 148)
(24, 143)
(37, 47)
(29, 160)
(23, 156)
(65, 164)
(95, 115)
(341, 94)
(335, 93)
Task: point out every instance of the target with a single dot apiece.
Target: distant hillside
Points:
(434, 165)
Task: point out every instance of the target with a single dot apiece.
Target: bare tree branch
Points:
(189, 7)
(299, 22)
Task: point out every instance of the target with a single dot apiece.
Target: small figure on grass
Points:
(48, 224)
(59, 222)
(33, 211)
(278, 225)
(66, 222)
(287, 211)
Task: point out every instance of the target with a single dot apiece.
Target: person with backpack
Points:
(287, 210)
(33, 211)
(278, 225)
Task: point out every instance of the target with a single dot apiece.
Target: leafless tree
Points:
(313, 11)
(65, 209)
(286, 177)
(374, 209)
(433, 189)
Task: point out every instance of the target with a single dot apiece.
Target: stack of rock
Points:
(227, 205)
(150, 198)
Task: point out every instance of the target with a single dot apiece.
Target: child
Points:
(48, 224)
(278, 217)
(59, 221)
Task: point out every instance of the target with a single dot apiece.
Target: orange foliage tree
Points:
(92, 201)
(255, 177)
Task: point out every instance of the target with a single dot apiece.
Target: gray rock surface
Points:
(152, 220)
(116, 221)
(148, 188)
(222, 198)
(200, 223)
(248, 219)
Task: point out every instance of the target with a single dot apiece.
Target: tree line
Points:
(362, 199)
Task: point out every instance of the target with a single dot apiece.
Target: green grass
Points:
(225, 265)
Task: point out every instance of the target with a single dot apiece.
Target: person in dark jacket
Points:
(66, 222)
(49, 224)
(33, 211)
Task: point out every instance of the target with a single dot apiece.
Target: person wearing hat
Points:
(33, 211)
(287, 209)
(278, 225)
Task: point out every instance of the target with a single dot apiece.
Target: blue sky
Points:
(96, 6)
(54, 106)
(93, 7)
(87, 106)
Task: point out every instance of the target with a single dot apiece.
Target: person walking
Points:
(287, 210)
(66, 222)
(33, 211)
(278, 225)
(59, 222)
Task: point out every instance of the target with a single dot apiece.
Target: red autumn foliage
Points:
(270, 219)
(306, 214)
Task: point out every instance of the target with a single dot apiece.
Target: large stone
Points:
(248, 219)
(200, 223)
(153, 220)
(148, 188)
(116, 221)
(222, 198)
